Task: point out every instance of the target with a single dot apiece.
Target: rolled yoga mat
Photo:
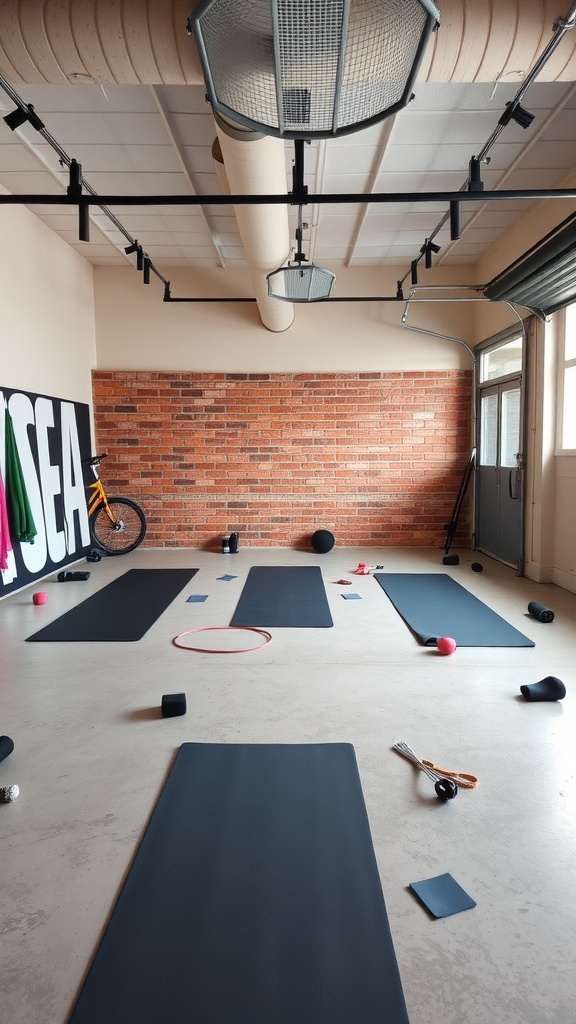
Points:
(434, 605)
(283, 595)
(540, 612)
(254, 898)
(122, 611)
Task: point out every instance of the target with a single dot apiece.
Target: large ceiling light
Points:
(311, 68)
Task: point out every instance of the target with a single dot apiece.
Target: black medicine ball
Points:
(322, 541)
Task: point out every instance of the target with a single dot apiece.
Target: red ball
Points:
(40, 597)
(446, 645)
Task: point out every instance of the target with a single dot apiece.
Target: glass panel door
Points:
(499, 490)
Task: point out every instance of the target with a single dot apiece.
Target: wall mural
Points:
(43, 441)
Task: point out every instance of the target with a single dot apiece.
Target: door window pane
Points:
(510, 435)
(569, 418)
(488, 430)
(498, 362)
(570, 333)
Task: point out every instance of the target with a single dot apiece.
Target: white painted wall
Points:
(136, 330)
(47, 332)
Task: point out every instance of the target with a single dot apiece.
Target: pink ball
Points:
(446, 645)
(40, 597)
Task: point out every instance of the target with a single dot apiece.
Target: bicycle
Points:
(117, 525)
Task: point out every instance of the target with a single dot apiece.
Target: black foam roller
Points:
(6, 746)
(539, 611)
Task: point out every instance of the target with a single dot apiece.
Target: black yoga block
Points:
(173, 704)
(540, 612)
(69, 577)
(6, 746)
(451, 560)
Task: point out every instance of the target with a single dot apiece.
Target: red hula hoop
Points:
(211, 650)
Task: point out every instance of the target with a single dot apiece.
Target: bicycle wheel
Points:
(123, 535)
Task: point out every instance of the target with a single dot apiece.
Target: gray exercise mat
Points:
(434, 605)
(283, 595)
(122, 611)
(254, 898)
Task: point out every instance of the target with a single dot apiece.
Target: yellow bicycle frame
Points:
(99, 498)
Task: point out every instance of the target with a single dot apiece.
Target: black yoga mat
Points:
(254, 898)
(124, 610)
(434, 605)
(283, 595)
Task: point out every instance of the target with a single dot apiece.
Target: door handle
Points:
(513, 477)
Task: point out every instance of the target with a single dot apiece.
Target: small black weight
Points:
(69, 577)
(173, 704)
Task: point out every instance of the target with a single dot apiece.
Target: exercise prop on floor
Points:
(124, 610)
(446, 783)
(177, 640)
(442, 895)
(7, 793)
(434, 605)
(540, 612)
(283, 595)
(550, 688)
(247, 901)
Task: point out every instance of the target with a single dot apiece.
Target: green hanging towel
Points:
(22, 526)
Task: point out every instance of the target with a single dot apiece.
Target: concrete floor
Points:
(92, 753)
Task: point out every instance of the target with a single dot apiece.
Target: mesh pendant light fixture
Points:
(311, 68)
(300, 281)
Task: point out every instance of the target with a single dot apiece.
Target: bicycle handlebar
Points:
(95, 459)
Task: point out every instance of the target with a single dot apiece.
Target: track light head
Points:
(516, 112)
(414, 272)
(146, 270)
(455, 224)
(475, 183)
(16, 118)
(399, 292)
(427, 250)
(134, 247)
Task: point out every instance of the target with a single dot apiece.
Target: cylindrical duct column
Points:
(254, 164)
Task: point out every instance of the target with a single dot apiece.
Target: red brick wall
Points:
(377, 458)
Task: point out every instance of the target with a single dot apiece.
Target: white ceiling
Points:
(156, 140)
